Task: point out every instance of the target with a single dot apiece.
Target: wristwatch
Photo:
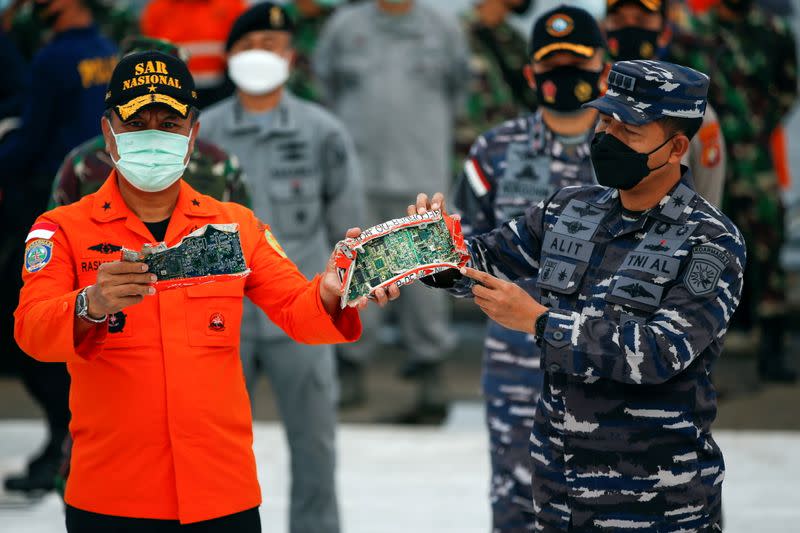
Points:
(82, 308)
(541, 323)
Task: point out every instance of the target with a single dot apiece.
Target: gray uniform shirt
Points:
(304, 181)
(397, 83)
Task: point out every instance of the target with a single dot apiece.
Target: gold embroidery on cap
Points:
(276, 17)
(585, 51)
(126, 110)
(151, 73)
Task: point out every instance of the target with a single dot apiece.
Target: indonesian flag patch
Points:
(42, 230)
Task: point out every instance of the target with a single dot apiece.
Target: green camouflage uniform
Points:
(210, 171)
(753, 68)
(498, 90)
(306, 34)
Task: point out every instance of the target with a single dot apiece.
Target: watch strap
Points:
(541, 323)
(82, 311)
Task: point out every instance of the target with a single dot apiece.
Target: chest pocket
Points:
(296, 205)
(214, 313)
(525, 181)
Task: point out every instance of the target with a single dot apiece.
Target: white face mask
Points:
(258, 71)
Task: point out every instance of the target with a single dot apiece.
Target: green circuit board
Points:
(213, 253)
(405, 249)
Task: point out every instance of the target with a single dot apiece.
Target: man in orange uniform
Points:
(200, 27)
(161, 419)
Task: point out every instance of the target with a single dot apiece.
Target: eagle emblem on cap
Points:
(276, 17)
(559, 25)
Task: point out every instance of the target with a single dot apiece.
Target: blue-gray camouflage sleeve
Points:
(472, 195)
(686, 323)
(510, 252)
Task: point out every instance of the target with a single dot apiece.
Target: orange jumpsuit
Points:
(160, 414)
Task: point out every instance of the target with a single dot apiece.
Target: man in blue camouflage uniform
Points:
(511, 167)
(638, 278)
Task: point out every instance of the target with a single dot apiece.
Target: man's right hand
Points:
(119, 284)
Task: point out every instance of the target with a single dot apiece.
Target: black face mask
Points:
(566, 89)
(632, 43)
(619, 166)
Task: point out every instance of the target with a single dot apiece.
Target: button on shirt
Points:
(160, 415)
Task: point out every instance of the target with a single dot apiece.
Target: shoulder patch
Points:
(38, 253)
(273, 242)
(705, 268)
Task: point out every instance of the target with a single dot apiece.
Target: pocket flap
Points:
(233, 288)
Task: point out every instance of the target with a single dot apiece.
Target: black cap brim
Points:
(608, 105)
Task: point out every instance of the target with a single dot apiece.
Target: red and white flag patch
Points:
(476, 178)
(42, 230)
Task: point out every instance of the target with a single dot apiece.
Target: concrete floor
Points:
(434, 480)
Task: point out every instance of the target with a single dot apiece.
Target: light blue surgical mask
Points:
(151, 160)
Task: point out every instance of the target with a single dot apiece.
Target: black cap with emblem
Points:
(266, 16)
(146, 78)
(566, 29)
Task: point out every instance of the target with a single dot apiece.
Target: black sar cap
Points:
(152, 77)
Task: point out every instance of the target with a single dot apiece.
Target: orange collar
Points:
(109, 205)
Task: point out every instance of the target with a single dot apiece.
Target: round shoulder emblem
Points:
(273, 242)
(559, 25)
(37, 254)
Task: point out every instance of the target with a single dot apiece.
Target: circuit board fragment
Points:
(209, 253)
(399, 251)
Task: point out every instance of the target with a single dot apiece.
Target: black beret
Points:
(565, 29)
(260, 17)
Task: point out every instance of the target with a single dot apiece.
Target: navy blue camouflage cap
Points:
(643, 91)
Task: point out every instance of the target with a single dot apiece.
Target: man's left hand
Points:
(331, 292)
(506, 303)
